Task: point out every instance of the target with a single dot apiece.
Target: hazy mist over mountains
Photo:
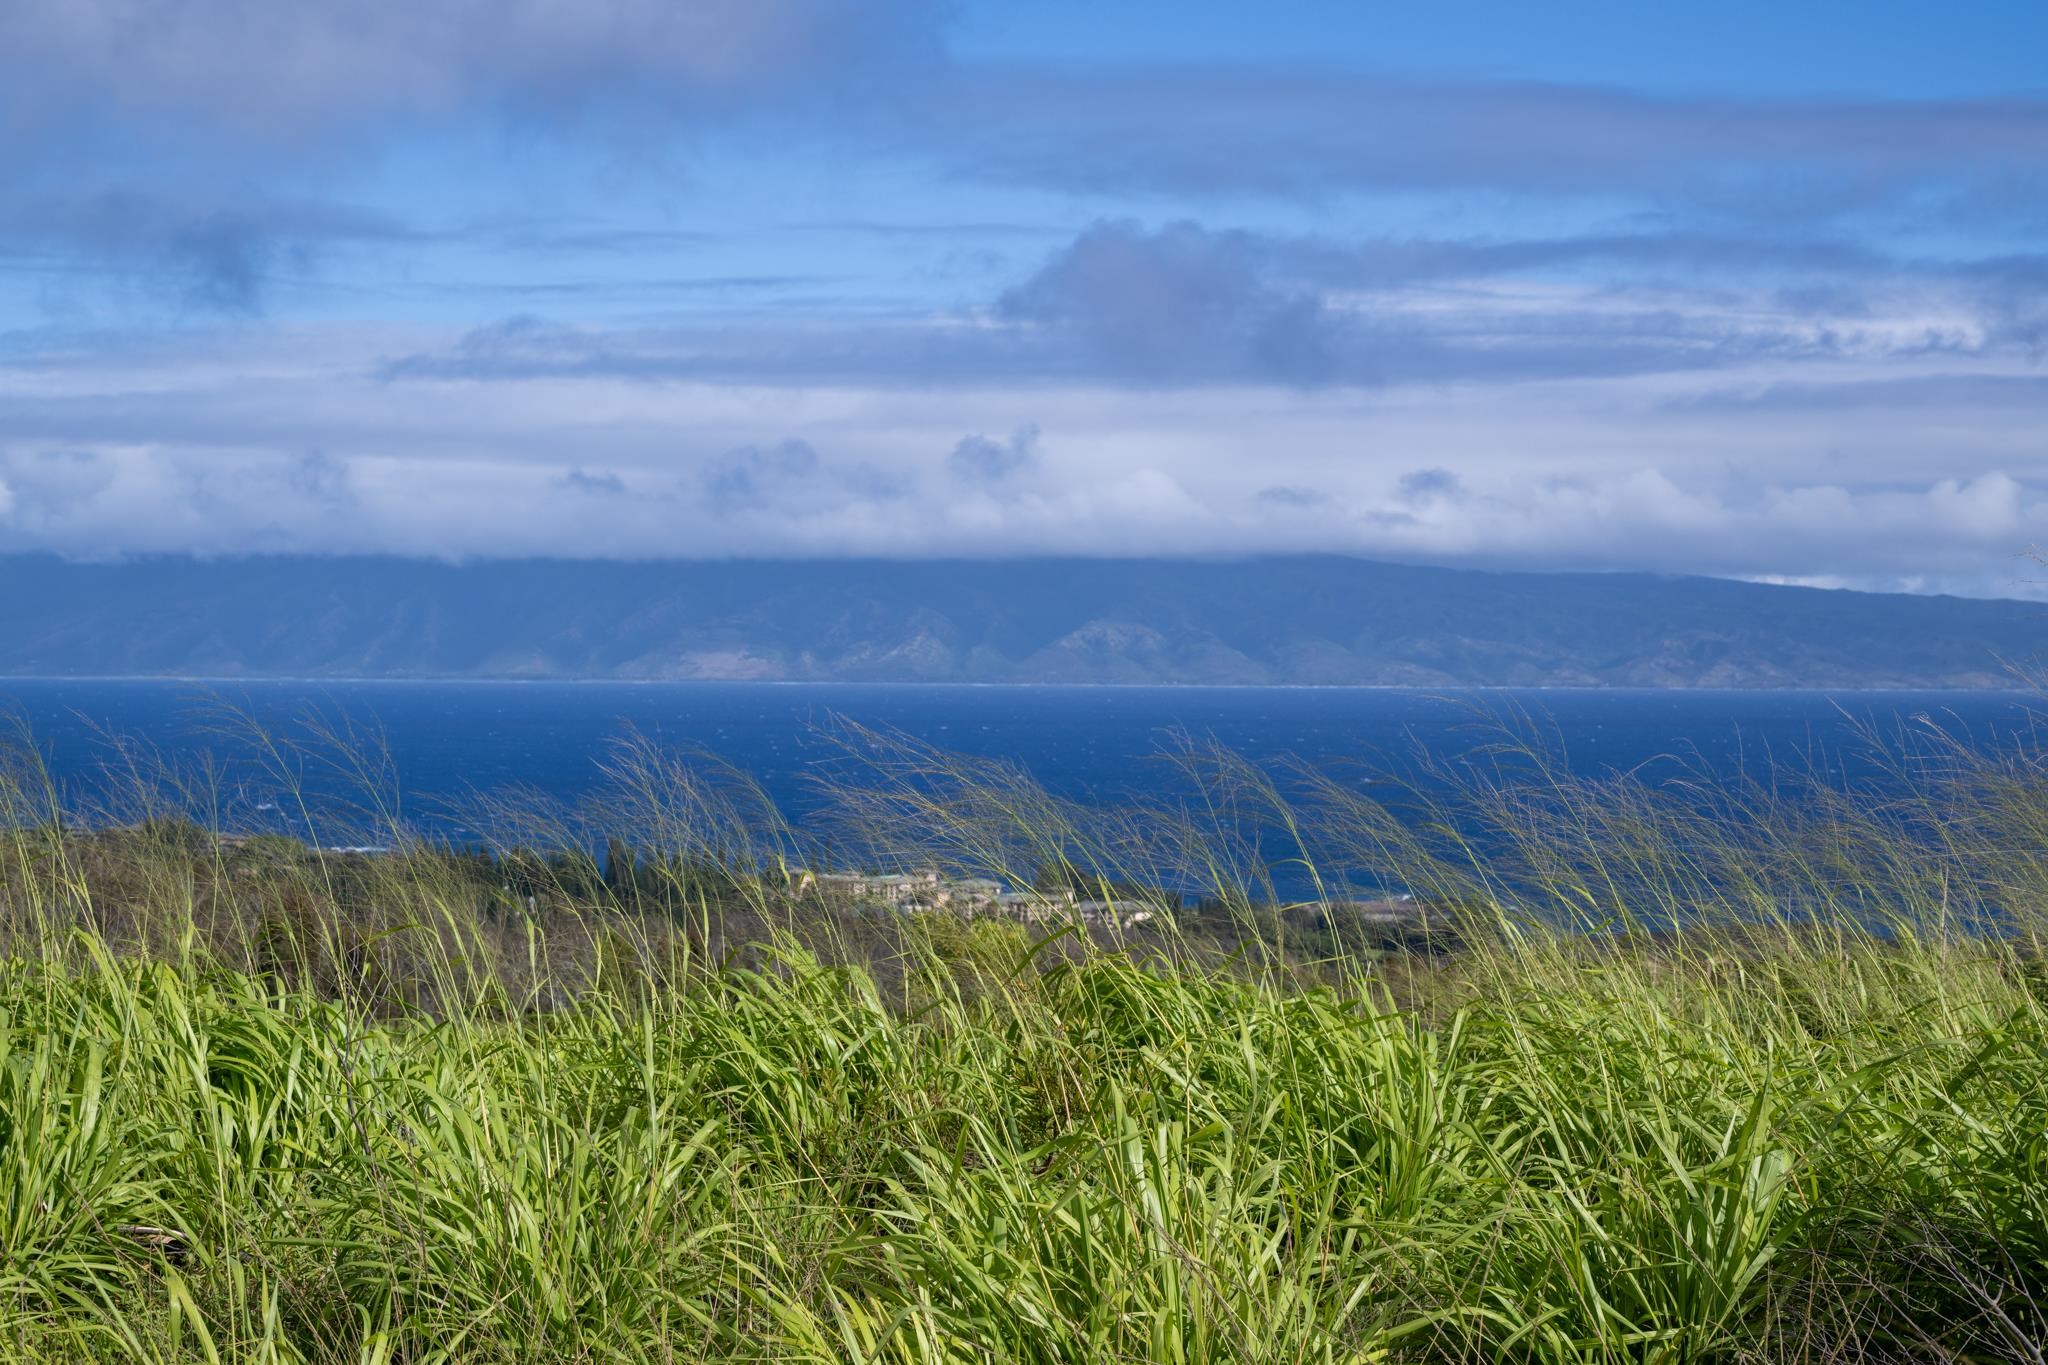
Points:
(1286, 620)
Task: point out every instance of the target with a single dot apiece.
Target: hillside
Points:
(1294, 620)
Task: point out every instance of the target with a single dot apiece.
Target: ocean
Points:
(440, 745)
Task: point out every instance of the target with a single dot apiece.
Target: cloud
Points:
(1987, 395)
(223, 122)
(753, 476)
(979, 460)
(198, 118)
(215, 131)
(249, 439)
(1429, 485)
(322, 478)
(128, 76)
(129, 70)
(1185, 305)
(97, 503)
(1476, 412)
(526, 347)
(1954, 533)
(1291, 498)
(1316, 132)
(1179, 304)
(47, 485)
(216, 254)
(772, 483)
(1959, 533)
(1754, 336)
(604, 483)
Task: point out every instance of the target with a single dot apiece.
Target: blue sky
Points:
(1744, 289)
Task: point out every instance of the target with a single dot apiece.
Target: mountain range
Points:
(1283, 620)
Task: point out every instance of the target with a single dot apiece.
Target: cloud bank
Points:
(1316, 132)
(794, 277)
(1181, 305)
(1911, 466)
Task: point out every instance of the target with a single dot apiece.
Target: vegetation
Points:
(1711, 1075)
(1270, 619)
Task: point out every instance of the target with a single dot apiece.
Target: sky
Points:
(1749, 289)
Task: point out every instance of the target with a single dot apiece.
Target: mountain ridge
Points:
(1306, 619)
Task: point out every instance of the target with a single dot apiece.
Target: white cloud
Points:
(1883, 467)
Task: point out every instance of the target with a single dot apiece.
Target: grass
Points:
(1726, 1078)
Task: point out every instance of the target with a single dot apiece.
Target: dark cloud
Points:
(1185, 305)
(775, 484)
(528, 347)
(246, 98)
(1294, 131)
(129, 75)
(637, 289)
(137, 82)
(321, 477)
(1985, 395)
(753, 475)
(581, 236)
(140, 71)
(1290, 496)
(1429, 485)
(604, 483)
(217, 254)
(197, 111)
(1180, 304)
(951, 231)
(980, 460)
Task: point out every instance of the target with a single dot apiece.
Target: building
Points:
(927, 890)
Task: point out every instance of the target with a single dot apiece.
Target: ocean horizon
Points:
(443, 753)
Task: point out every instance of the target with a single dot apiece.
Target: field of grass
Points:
(1731, 1078)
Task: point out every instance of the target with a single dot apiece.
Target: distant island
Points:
(1322, 620)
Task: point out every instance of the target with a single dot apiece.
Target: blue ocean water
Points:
(447, 741)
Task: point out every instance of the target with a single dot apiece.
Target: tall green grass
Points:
(1725, 1078)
